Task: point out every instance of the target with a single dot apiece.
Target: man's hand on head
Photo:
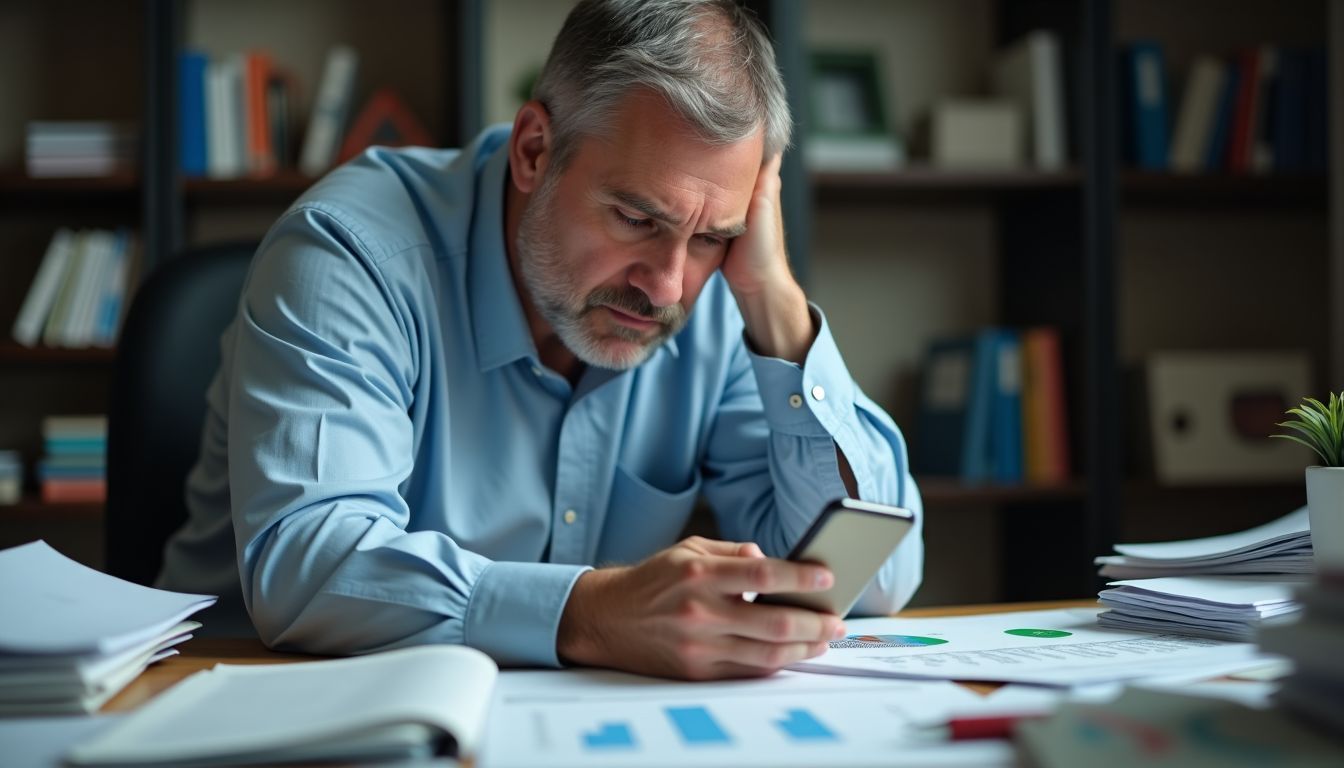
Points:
(681, 614)
(756, 267)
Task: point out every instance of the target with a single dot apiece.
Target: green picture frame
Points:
(845, 95)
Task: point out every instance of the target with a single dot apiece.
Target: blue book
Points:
(1006, 433)
(1216, 159)
(1318, 107)
(1290, 113)
(941, 421)
(976, 448)
(1146, 94)
(191, 113)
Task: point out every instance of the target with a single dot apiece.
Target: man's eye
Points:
(712, 241)
(631, 221)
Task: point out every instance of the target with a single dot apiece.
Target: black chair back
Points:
(166, 357)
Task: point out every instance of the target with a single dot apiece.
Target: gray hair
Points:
(712, 61)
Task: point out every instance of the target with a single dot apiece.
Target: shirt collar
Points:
(499, 325)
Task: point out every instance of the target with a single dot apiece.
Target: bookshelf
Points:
(1111, 256)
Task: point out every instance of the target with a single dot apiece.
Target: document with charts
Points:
(1057, 647)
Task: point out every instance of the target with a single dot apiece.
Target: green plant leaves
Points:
(1321, 427)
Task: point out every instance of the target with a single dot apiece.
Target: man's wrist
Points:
(578, 639)
(779, 322)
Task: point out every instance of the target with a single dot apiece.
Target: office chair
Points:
(166, 357)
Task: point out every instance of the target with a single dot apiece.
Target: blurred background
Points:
(1085, 252)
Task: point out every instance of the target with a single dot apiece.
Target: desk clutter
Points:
(71, 637)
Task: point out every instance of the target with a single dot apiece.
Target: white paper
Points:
(1291, 526)
(1219, 591)
(596, 718)
(275, 710)
(41, 742)
(51, 604)
(1059, 647)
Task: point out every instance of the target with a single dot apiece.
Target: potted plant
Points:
(1320, 427)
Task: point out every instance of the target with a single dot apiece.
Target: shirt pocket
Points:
(642, 519)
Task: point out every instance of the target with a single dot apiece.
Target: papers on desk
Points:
(1279, 547)
(1222, 607)
(404, 704)
(1057, 647)
(71, 637)
(583, 718)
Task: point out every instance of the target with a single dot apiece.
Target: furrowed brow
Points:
(648, 208)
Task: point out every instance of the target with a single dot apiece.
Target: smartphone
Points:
(853, 539)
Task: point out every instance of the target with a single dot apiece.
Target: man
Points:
(456, 381)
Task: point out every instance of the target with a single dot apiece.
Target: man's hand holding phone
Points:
(681, 613)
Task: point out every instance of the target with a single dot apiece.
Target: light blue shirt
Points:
(397, 467)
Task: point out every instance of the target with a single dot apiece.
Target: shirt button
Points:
(796, 400)
(818, 393)
(570, 516)
(536, 371)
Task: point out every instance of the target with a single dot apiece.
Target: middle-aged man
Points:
(457, 380)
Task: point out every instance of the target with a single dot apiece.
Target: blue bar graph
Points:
(697, 727)
(610, 736)
(800, 725)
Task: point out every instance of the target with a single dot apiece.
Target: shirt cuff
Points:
(514, 611)
(811, 400)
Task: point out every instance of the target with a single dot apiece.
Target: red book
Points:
(1243, 111)
(64, 491)
(260, 158)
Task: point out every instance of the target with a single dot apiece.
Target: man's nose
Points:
(659, 274)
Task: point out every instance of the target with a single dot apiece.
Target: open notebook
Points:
(405, 704)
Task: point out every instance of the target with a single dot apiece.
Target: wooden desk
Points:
(205, 652)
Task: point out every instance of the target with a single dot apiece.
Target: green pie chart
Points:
(1046, 633)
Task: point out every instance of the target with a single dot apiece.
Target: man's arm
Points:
(321, 442)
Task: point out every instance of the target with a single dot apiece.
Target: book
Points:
(1290, 113)
(1262, 124)
(977, 448)
(1030, 73)
(1044, 415)
(330, 107)
(941, 422)
(1006, 432)
(191, 112)
(1216, 155)
(1199, 108)
(54, 330)
(1241, 141)
(41, 296)
(406, 704)
(1145, 96)
(260, 159)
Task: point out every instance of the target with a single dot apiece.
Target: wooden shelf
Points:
(951, 491)
(31, 508)
(1149, 487)
(279, 188)
(11, 352)
(17, 187)
(926, 183)
(1224, 190)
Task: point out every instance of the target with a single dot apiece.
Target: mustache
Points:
(633, 300)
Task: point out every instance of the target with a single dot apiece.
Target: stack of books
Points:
(1315, 690)
(81, 290)
(993, 409)
(71, 637)
(80, 148)
(1225, 587)
(75, 466)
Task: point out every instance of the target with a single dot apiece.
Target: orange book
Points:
(59, 491)
(1045, 425)
(260, 158)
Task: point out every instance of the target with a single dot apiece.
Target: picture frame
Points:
(849, 126)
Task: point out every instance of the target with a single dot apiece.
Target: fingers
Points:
(722, 548)
(757, 655)
(762, 575)
(781, 624)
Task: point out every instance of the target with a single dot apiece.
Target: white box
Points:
(977, 133)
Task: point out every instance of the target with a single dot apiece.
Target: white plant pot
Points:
(1325, 503)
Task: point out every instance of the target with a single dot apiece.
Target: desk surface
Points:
(205, 652)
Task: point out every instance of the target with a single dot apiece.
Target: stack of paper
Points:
(1315, 690)
(71, 637)
(1280, 547)
(1224, 607)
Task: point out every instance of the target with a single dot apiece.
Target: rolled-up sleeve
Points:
(321, 443)
(772, 463)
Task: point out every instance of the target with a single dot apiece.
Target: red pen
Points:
(981, 727)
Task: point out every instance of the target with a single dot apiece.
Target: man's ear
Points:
(530, 146)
